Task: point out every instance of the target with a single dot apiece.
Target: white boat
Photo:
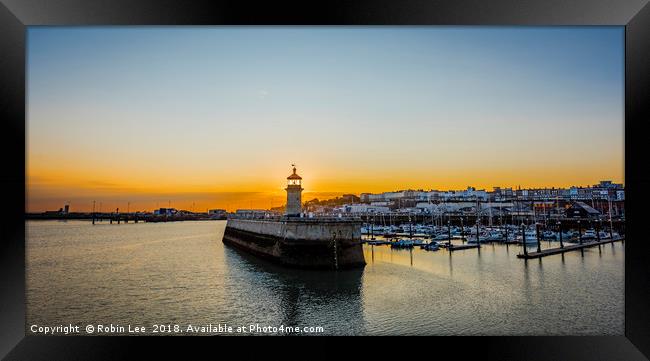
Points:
(589, 234)
(549, 235)
(433, 246)
(440, 237)
(531, 236)
(374, 230)
(494, 236)
(566, 236)
(403, 243)
(604, 235)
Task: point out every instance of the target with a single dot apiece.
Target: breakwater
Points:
(321, 243)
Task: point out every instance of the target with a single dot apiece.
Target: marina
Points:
(534, 235)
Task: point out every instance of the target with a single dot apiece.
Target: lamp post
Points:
(559, 229)
(539, 245)
(478, 239)
(462, 230)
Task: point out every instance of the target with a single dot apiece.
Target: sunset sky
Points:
(213, 117)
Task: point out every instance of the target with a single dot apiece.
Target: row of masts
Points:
(438, 219)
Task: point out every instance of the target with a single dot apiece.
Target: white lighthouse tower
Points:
(294, 194)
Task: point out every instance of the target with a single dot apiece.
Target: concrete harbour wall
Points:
(302, 229)
(304, 243)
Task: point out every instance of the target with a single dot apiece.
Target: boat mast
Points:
(611, 227)
(500, 215)
(433, 221)
(490, 208)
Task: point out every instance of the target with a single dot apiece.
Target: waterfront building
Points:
(350, 198)
(427, 196)
(470, 193)
(165, 212)
(581, 210)
(217, 213)
(499, 194)
(609, 185)
(403, 194)
(620, 195)
(537, 201)
(427, 207)
(361, 209)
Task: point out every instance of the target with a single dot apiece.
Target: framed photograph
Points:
(466, 169)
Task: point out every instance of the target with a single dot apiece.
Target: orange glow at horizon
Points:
(49, 187)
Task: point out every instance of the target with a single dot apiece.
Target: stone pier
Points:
(322, 243)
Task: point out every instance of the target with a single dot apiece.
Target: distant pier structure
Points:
(298, 241)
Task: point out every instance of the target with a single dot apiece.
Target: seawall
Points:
(300, 242)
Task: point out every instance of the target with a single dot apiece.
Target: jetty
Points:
(461, 247)
(567, 248)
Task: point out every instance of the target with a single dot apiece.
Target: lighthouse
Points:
(295, 241)
(294, 194)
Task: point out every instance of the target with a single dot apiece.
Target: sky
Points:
(213, 117)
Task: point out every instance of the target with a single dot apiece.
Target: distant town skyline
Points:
(249, 200)
(212, 117)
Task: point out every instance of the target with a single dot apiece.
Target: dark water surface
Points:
(180, 273)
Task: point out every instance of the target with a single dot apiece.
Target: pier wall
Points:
(305, 243)
(305, 229)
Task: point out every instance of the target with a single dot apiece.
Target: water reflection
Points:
(305, 297)
(182, 272)
(528, 292)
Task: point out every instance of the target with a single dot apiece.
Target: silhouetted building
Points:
(581, 210)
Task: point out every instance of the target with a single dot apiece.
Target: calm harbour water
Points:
(181, 273)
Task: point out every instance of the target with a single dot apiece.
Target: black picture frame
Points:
(16, 15)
